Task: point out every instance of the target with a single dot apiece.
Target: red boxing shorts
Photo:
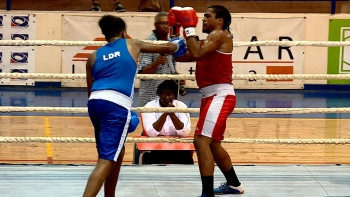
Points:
(217, 104)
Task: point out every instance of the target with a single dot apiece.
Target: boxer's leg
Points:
(112, 180)
(113, 128)
(223, 105)
(202, 140)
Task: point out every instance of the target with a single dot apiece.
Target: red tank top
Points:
(213, 69)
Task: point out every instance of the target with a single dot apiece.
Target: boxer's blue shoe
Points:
(228, 189)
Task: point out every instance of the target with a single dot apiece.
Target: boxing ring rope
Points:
(184, 77)
(172, 140)
(235, 44)
(7, 109)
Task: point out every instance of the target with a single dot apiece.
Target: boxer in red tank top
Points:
(215, 68)
(214, 79)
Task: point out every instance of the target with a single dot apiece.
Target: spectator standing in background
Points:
(154, 63)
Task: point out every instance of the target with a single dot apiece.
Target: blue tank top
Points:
(114, 68)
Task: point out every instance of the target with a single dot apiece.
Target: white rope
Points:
(7, 109)
(236, 44)
(172, 140)
(183, 77)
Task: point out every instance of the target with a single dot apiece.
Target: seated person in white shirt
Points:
(167, 124)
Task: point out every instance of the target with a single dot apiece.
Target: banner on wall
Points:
(245, 60)
(17, 59)
(339, 57)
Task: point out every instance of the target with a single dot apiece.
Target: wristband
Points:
(190, 31)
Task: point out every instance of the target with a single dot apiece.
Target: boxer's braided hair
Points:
(222, 12)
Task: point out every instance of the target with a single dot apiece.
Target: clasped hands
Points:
(170, 105)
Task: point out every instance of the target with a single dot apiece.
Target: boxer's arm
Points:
(89, 65)
(184, 58)
(146, 47)
(214, 41)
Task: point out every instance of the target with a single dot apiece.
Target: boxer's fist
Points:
(189, 21)
(188, 17)
(181, 46)
(174, 20)
(174, 16)
(134, 122)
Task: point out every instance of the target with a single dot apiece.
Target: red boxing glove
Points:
(174, 21)
(189, 21)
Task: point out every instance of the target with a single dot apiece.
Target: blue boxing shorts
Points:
(111, 123)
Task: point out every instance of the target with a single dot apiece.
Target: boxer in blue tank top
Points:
(110, 76)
